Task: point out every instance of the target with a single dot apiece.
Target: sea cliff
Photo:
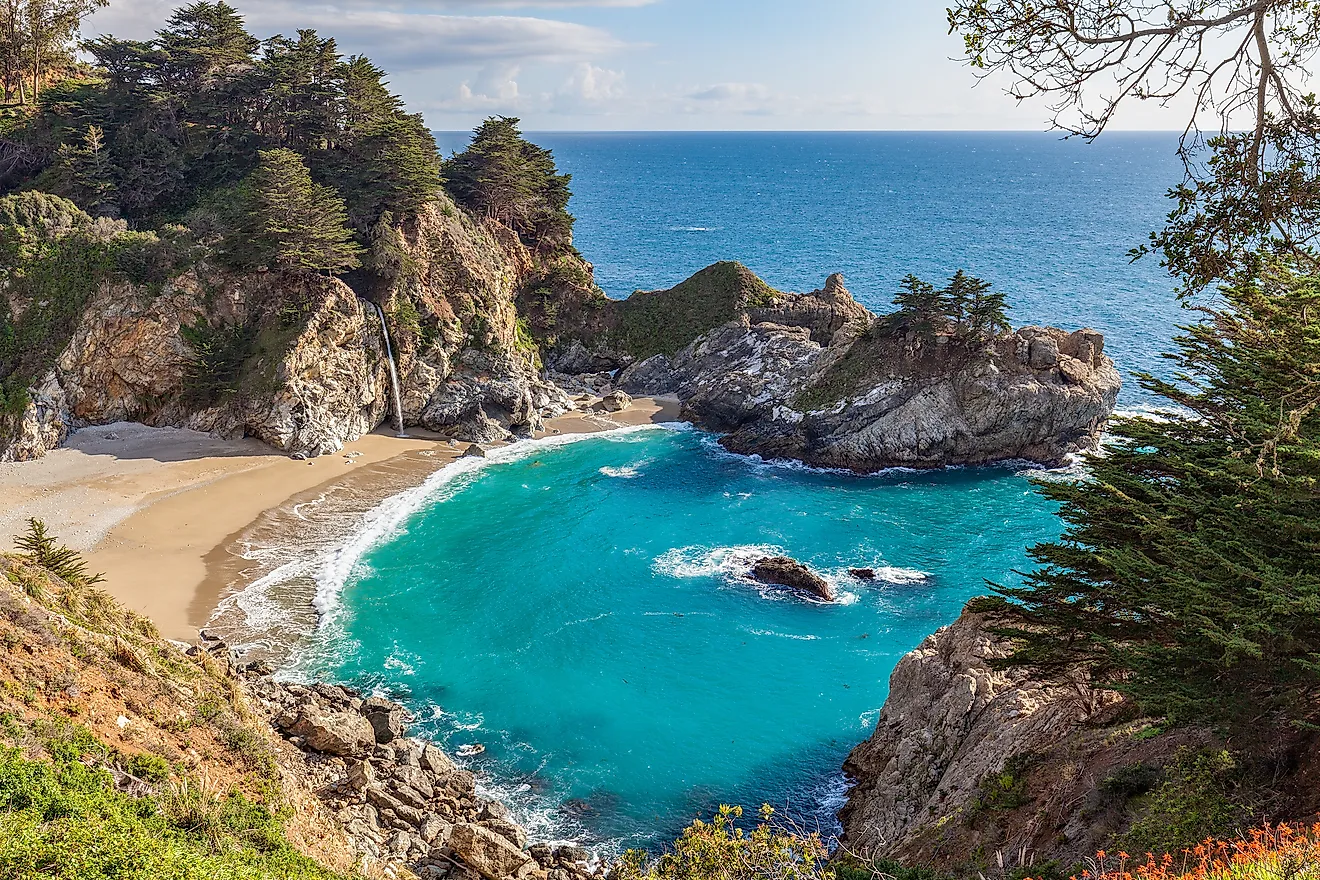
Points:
(819, 378)
(299, 361)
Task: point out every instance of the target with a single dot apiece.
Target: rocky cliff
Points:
(299, 362)
(818, 378)
(969, 763)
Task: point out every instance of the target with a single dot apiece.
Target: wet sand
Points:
(161, 511)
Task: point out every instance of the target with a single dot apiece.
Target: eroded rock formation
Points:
(818, 378)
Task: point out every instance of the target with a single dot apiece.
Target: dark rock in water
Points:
(785, 572)
(862, 574)
(476, 450)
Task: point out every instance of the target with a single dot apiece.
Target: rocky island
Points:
(818, 378)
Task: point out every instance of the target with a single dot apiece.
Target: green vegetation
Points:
(720, 850)
(1191, 803)
(36, 38)
(966, 307)
(503, 176)
(664, 321)
(286, 221)
(52, 258)
(65, 819)
(163, 130)
(45, 550)
(1188, 577)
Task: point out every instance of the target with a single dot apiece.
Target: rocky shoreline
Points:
(402, 802)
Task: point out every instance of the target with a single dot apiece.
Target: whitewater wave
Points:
(694, 229)
(622, 473)
(332, 557)
(732, 563)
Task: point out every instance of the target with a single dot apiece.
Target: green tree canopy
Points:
(170, 122)
(966, 307)
(289, 222)
(1189, 575)
(507, 178)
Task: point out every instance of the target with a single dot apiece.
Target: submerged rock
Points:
(785, 572)
(862, 574)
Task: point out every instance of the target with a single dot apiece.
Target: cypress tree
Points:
(1189, 574)
(290, 222)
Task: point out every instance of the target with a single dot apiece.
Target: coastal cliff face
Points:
(818, 378)
(969, 764)
(300, 363)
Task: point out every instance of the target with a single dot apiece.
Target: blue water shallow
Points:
(577, 608)
(580, 612)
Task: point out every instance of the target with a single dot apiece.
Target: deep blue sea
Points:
(577, 609)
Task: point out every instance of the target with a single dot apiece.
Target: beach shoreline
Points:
(163, 512)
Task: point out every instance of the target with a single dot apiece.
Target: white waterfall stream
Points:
(394, 373)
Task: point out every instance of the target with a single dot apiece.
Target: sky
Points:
(586, 65)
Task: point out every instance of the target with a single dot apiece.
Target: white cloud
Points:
(592, 85)
(396, 40)
(402, 42)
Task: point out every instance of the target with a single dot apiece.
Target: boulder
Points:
(360, 775)
(389, 720)
(510, 831)
(862, 574)
(336, 733)
(489, 854)
(615, 401)
(785, 572)
(436, 762)
(475, 450)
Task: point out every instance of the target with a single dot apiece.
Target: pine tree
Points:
(987, 311)
(1189, 574)
(921, 308)
(290, 222)
(506, 178)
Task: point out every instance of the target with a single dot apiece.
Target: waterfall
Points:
(394, 373)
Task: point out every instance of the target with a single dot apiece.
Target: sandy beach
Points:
(158, 510)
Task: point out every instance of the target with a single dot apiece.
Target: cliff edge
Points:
(818, 378)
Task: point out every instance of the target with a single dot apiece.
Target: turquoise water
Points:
(578, 610)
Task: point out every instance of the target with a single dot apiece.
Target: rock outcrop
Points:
(968, 760)
(785, 572)
(400, 800)
(302, 365)
(817, 378)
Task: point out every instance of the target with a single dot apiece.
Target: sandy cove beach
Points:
(158, 509)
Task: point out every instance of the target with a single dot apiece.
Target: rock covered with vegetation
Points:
(248, 303)
(970, 758)
(816, 377)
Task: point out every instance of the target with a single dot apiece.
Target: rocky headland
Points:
(818, 378)
(971, 763)
(299, 362)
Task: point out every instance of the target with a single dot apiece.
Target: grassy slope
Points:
(92, 701)
(664, 321)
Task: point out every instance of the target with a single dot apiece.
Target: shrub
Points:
(1282, 852)
(1191, 804)
(721, 849)
(46, 551)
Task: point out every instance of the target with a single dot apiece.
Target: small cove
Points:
(575, 609)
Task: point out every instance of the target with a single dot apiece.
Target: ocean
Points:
(570, 615)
